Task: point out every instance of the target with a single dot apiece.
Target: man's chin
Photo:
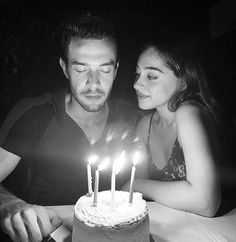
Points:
(93, 107)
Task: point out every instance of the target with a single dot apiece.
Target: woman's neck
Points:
(166, 118)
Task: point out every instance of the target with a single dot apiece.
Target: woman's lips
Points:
(141, 95)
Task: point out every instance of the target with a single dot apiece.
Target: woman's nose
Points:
(135, 85)
(138, 83)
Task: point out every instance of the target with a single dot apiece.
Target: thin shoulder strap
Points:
(149, 128)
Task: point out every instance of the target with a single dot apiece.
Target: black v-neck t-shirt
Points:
(55, 151)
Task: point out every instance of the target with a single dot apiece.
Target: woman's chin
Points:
(143, 106)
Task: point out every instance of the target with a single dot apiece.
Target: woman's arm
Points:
(200, 193)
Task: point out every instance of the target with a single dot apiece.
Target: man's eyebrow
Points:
(110, 63)
(74, 62)
(153, 68)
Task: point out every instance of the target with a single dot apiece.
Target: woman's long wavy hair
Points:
(183, 60)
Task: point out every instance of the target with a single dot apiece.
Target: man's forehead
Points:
(91, 52)
(92, 47)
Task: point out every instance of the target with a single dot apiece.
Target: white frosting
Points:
(104, 214)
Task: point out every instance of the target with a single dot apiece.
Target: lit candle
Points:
(113, 186)
(135, 161)
(96, 184)
(115, 170)
(91, 160)
(95, 198)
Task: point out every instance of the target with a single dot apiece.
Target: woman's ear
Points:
(64, 67)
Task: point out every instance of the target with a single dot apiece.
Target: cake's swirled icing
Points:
(104, 214)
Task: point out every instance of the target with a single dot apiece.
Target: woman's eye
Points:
(151, 77)
(105, 69)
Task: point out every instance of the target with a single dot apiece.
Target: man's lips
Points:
(93, 96)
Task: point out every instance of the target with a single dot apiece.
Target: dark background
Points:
(29, 51)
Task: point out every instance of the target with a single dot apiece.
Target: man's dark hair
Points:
(85, 25)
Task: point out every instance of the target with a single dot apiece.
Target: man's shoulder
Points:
(39, 110)
(45, 104)
(24, 110)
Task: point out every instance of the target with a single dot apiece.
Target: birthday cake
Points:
(119, 221)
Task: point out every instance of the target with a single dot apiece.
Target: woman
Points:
(179, 134)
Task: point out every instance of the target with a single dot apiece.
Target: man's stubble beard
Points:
(91, 107)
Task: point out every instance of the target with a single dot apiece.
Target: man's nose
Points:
(93, 80)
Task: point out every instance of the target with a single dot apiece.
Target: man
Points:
(55, 139)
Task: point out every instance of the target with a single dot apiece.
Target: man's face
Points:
(91, 70)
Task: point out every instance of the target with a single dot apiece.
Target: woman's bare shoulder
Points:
(191, 110)
(192, 117)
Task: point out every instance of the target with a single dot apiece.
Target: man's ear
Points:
(117, 66)
(64, 67)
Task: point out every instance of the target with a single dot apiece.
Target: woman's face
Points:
(155, 83)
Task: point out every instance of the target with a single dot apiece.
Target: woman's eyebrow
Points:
(153, 68)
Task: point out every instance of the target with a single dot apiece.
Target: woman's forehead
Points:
(151, 57)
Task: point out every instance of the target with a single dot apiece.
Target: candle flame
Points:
(136, 158)
(92, 159)
(118, 163)
(103, 164)
(124, 135)
(110, 135)
(136, 139)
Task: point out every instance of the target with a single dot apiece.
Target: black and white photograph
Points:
(117, 121)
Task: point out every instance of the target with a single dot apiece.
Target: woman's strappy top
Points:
(175, 169)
